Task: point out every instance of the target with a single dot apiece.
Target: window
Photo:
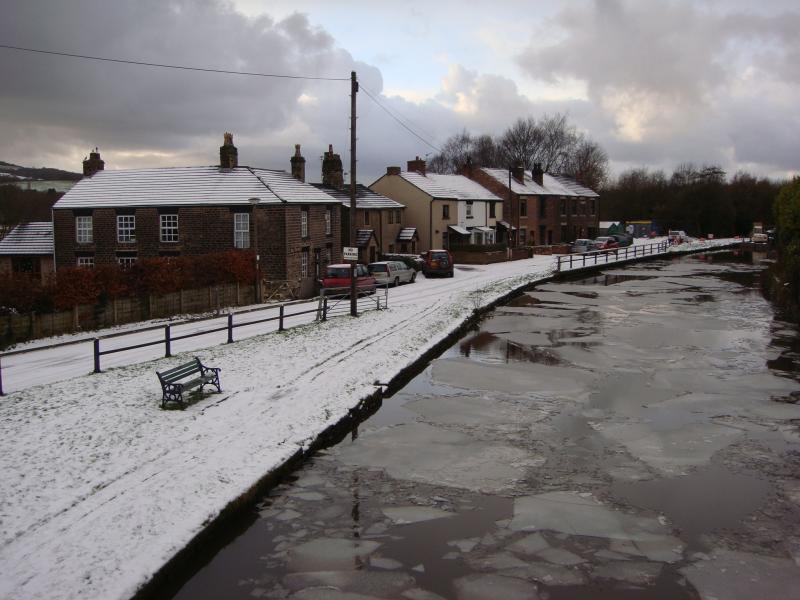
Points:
(391, 217)
(523, 236)
(542, 207)
(86, 261)
(523, 207)
(83, 230)
(563, 206)
(391, 248)
(445, 211)
(169, 228)
(304, 223)
(492, 210)
(327, 257)
(398, 216)
(327, 221)
(304, 263)
(574, 208)
(594, 206)
(366, 217)
(126, 229)
(241, 230)
(444, 239)
(126, 260)
(542, 234)
(469, 209)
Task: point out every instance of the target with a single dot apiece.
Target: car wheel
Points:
(450, 274)
(396, 281)
(413, 277)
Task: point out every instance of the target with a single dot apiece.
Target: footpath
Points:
(100, 487)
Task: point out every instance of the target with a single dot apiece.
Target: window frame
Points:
(84, 234)
(126, 234)
(523, 207)
(492, 210)
(445, 212)
(127, 261)
(304, 258)
(328, 221)
(303, 222)
(241, 230)
(166, 230)
(469, 207)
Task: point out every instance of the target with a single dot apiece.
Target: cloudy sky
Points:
(656, 83)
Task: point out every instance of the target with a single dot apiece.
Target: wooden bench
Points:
(195, 375)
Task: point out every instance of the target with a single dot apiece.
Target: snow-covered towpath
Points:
(100, 487)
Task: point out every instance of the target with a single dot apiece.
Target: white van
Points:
(392, 272)
(677, 236)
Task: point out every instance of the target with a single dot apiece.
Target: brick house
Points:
(122, 216)
(539, 208)
(380, 221)
(28, 248)
(448, 210)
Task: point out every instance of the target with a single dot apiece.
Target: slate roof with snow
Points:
(553, 185)
(28, 239)
(365, 197)
(363, 237)
(457, 187)
(189, 186)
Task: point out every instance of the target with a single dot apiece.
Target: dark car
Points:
(337, 279)
(437, 262)
(623, 239)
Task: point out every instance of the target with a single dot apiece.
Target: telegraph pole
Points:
(353, 91)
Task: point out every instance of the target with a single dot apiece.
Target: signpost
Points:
(349, 253)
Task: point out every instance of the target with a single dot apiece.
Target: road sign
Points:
(349, 253)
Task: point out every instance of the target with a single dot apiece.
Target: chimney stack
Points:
(393, 170)
(518, 172)
(537, 174)
(93, 164)
(417, 165)
(332, 172)
(298, 165)
(228, 154)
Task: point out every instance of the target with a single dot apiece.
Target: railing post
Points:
(96, 355)
(324, 308)
(167, 344)
(230, 328)
(1, 380)
(280, 319)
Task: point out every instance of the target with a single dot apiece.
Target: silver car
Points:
(392, 272)
(583, 245)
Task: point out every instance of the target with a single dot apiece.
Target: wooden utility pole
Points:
(353, 91)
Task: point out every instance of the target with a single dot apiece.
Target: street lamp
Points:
(254, 202)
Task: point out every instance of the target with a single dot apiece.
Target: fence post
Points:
(167, 345)
(230, 328)
(1, 380)
(280, 319)
(96, 355)
(324, 308)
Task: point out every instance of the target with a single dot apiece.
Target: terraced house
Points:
(540, 209)
(123, 216)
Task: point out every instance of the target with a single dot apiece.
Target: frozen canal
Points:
(629, 435)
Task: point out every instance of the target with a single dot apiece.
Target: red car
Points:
(337, 279)
(606, 243)
(437, 262)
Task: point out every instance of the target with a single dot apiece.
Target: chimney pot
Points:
(417, 165)
(298, 164)
(537, 174)
(518, 171)
(228, 154)
(393, 170)
(93, 164)
(332, 171)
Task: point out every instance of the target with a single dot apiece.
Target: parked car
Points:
(582, 245)
(606, 242)
(758, 236)
(623, 239)
(392, 272)
(676, 236)
(337, 279)
(437, 262)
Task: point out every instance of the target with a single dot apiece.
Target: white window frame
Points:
(328, 221)
(84, 233)
(241, 230)
(304, 223)
(304, 263)
(469, 209)
(126, 229)
(85, 261)
(126, 261)
(168, 228)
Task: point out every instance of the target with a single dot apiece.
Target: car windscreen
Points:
(338, 272)
(377, 268)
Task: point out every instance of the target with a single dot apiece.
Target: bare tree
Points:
(520, 143)
(587, 164)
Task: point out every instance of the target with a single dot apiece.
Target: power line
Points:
(165, 66)
(396, 118)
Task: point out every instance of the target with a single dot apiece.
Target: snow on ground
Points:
(100, 487)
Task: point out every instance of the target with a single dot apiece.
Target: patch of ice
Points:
(402, 515)
(530, 544)
(329, 554)
(559, 556)
(632, 572)
(483, 587)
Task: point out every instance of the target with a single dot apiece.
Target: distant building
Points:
(539, 208)
(448, 210)
(28, 248)
(123, 216)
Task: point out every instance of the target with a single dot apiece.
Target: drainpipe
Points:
(430, 226)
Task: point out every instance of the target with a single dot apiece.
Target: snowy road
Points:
(100, 487)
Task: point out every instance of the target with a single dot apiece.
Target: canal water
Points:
(632, 434)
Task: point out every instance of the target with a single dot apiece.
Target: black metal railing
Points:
(602, 257)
